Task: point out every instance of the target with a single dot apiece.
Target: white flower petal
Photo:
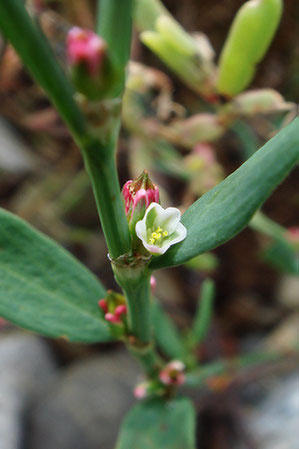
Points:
(169, 220)
(141, 230)
(178, 235)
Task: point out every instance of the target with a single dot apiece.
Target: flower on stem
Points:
(173, 373)
(160, 228)
(86, 48)
(138, 195)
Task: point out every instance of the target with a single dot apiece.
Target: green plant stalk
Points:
(134, 279)
(147, 357)
(114, 25)
(135, 282)
(99, 156)
(100, 164)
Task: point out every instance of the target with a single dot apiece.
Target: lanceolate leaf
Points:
(226, 209)
(44, 288)
(166, 334)
(157, 424)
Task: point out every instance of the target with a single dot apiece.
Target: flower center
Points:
(156, 237)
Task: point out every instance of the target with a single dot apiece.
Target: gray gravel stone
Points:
(26, 367)
(85, 406)
(15, 156)
(275, 423)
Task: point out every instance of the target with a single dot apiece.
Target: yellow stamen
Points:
(157, 235)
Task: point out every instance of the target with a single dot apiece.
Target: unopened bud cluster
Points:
(114, 307)
(85, 48)
(138, 195)
(91, 69)
(172, 375)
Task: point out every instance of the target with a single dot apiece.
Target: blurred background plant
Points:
(189, 137)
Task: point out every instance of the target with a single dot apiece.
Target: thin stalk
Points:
(139, 316)
(147, 357)
(101, 166)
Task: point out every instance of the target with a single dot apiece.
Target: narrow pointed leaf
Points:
(166, 334)
(226, 209)
(157, 424)
(45, 289)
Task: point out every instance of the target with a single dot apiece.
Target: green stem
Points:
(114, 25)
(136, 286)
(100, 164)
(147, 357)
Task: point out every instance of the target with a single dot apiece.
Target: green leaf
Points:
(204, 311)
(166, 334)
(226, 209)
(157, 424)
(45, 289)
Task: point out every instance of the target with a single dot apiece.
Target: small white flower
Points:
(160, 228)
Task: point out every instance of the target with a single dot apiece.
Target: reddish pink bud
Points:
(103, 305)
(140, 391)
(153, 283)
(112, 318)
(85, 47)
(120, 310)
(173, 373)
(138, 195)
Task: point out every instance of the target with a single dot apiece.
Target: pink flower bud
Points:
(85, 47)
(138, 195)
(173, 373)
(140, 391)
(103, 305)
(153, 283)
(120, 310)
(112, 318)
